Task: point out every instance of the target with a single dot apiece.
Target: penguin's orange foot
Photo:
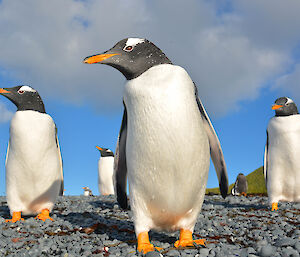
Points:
(274, 206)
(44, 215)
(15, 217)
(144, 245)
(186, 239)
(244, 194)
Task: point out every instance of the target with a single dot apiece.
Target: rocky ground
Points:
(95, 226)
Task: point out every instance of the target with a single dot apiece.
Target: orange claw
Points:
(186, 239)
(274, 206)
(15, 217)
(44, 215)
(144, 245)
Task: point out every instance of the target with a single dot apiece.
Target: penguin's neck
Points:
(32, 106)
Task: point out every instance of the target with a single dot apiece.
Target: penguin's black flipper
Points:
(120, 167)
(234, 189)
(61, 191)
(216, 152)
(266, 160)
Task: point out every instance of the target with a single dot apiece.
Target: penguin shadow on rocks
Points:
(108, 221)
(233, 202)
(105, 219)
(107, 201)
(35, 203)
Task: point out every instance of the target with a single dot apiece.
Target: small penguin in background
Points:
(282, 153)
(34, 172)
(240, 186)
(87, 191)
(165, 143)
(105, 171)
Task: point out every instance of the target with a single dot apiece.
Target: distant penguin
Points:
(282, 153)
(105, 171)
(165, 143)
(240, 186)
(34, 173)
(87, 191)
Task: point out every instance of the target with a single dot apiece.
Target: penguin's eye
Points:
(21, 92)
(128, 48)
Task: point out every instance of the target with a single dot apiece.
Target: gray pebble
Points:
(204, 252)
(297, 246)
(172, 253)
(153, 254)
(289, 252)
(267, 250)
(284, 242)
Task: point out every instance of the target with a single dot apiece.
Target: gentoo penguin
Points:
(34, 175)
(87, 191)
(105, 171)
(282, 151)
(164, 144)
(240, 186)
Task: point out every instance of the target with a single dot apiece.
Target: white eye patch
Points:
(27, 89)
(289, 100)
(133, 42)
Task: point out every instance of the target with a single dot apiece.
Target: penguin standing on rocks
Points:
(282, 153)
(240, 186)
(34, 174)
(164, 145)
(105, 171)
(87, 191)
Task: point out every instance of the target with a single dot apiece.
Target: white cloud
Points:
(233, 68)
(229, 54)
(291, 83)
(5, 115)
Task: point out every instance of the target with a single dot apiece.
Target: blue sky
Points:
(241, 54)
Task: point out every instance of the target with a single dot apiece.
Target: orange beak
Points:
(3, 91)
(276, 106)
(99, 148)
(97, 58)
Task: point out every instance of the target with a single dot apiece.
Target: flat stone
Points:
(284, 242)
(267, 250)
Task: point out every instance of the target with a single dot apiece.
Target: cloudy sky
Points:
(241, 54)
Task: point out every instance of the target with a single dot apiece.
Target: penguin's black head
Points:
(105, 152)
(131, 56)
(284, 106)
(241, 177)
(24, 97)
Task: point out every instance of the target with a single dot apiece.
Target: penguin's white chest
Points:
(86, 193)
(167, 149)
(105, 175)
(283, 158)
(33, 169)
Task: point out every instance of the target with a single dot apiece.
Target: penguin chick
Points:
(240, 186)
